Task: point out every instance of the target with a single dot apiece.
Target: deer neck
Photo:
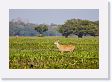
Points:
(58, 45)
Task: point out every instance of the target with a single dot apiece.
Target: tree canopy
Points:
(41, 28)
(79, 27)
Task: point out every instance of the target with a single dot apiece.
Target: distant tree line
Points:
(20, 28)
(76, 27)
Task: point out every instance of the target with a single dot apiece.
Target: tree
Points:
(41, 28)
(20, 28)
(71, 27)
(79, 27)
(93, 29)
(65, 30)
(86, 27)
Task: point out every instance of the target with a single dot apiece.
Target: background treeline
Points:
(72, 27)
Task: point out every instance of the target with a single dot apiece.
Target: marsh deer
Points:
(63, 48)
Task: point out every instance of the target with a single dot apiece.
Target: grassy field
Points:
(42, 53)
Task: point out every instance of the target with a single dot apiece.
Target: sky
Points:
(56, 16)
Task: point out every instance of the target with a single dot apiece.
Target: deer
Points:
(63, 48)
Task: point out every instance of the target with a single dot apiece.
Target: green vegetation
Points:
(79, 27)
(41, 29)
(70, 27)
(42, 53)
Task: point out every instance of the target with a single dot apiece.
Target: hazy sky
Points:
(56, 16)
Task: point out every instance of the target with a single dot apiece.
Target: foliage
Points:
(41, 53)
(79, 27)
(21, 29)
(41, 28)
(73, 26)
(65, 30)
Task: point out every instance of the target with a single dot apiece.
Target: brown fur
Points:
(63, 48)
